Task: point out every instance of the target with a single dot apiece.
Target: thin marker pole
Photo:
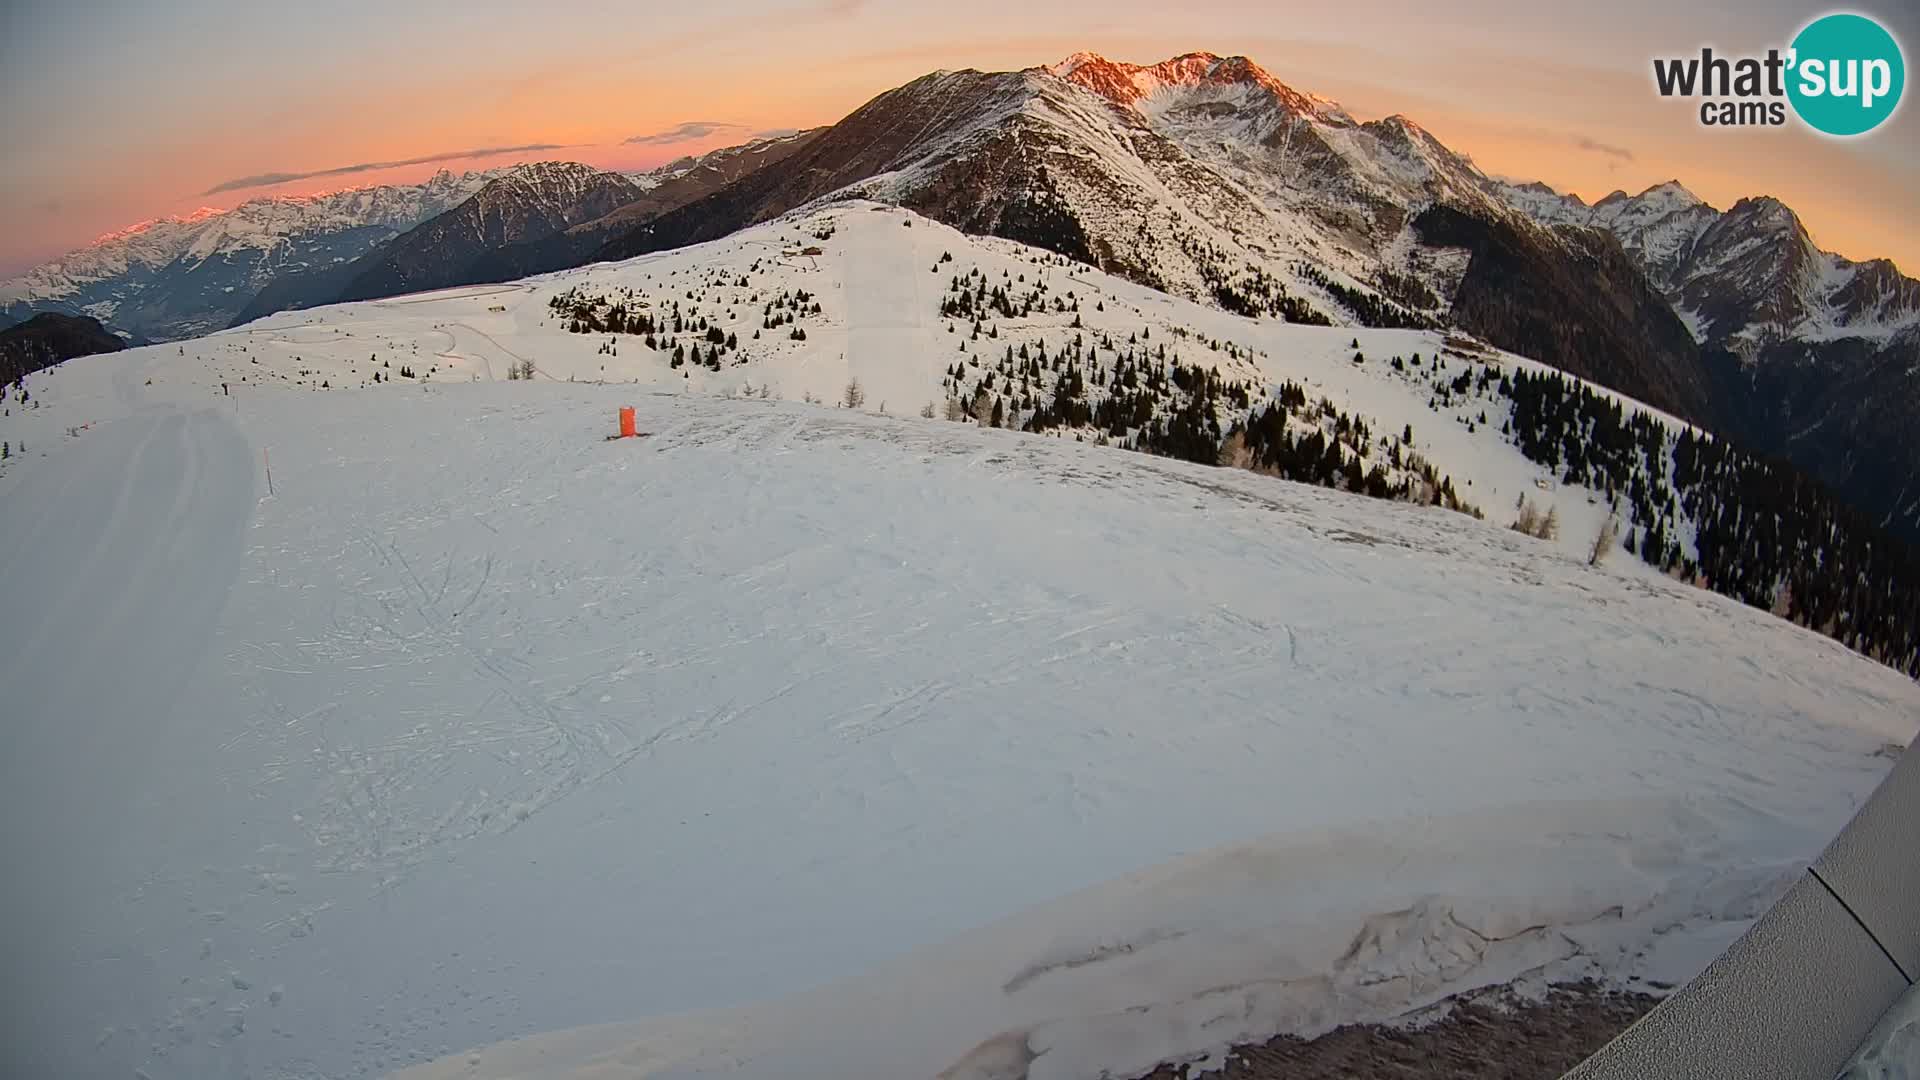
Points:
(268, 458)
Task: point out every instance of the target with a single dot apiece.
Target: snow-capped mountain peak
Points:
(1635, 213)
(1744, 277)
(1065, 68)
(129, 232)
(559, 182)
(1133, 84)
(1672, 193)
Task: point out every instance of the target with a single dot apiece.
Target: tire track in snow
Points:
(142, 469)
(95, 739)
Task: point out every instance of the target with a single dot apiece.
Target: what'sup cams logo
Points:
(1842, 75)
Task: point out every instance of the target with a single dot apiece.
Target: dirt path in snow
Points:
(1484, 1037)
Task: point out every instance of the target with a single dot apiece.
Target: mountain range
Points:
(537, 199)
(1201, 176)
(529, 219)
(1809, 356)
(179, 277)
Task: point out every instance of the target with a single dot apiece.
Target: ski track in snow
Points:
(839, 745)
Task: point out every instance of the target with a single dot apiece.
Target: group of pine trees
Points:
(588, 313)
(20, 358)
(1134, 391)
(1406, 290)
(685, 335)
(1769, 535)
(1371, 309)
(970, 298)
(1251, 291)
(1762, 532)
(1320, 444)
(1259, 294)
(1139, 394)
(785, 309)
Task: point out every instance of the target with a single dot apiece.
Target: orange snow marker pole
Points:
(626, 422)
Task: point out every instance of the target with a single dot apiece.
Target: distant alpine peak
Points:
(555, 186)
(1765, 207)
(1764, 214)
(1670, 195)
(1403, 127)
(543, 174)
(441, 183)
(138, 227)
(1129, 84)
(1672, 191)
(1187, 69)
(545, 169)
(1071, 64)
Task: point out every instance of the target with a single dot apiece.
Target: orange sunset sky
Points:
(122, 111)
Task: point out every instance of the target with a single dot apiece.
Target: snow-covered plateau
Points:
(793, 740)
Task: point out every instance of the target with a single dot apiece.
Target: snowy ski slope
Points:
(798, 741)
(879, 285)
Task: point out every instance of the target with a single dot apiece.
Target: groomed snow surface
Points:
(790, 741)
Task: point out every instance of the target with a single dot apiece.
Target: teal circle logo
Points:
(1846, 76)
